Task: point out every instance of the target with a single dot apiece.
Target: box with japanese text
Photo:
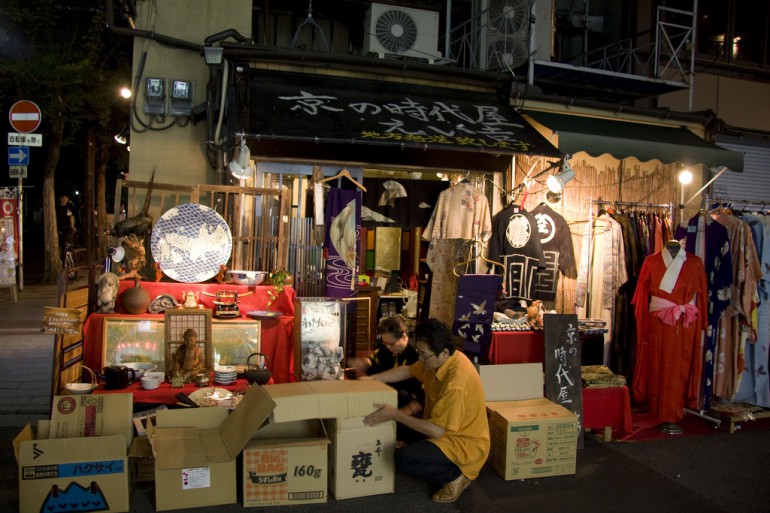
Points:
(195, 451)
(361, 458)
(286, 463)
(530, 436)
(80, 474)
(92, 415)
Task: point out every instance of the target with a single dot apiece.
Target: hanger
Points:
(343, 174)
(473, 256)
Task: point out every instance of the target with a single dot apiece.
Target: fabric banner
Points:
(343, 237)
(474, 310)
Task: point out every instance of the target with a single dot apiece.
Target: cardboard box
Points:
(91, 472)
(195, 451)
(92, 415)
(327, 399)
(530, 437)
(141, 460)
(361, 458)
(286, 463)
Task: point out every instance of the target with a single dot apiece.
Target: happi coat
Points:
(668, 364)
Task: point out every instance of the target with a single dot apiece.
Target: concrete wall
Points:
(179, 152)
(740, 103)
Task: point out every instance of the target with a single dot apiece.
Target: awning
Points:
(645, 142)
(291, 115)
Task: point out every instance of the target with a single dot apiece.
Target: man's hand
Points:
(383, 413)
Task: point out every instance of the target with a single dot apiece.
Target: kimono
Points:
(556, 241)
(668, 364)
(708, 240)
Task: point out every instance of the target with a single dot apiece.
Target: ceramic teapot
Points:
(117, 377)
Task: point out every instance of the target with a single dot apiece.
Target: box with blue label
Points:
(72, 474)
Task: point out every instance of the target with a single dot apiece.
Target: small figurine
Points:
(188, 359)
(535, 313)
(107, 292)
(189, 299)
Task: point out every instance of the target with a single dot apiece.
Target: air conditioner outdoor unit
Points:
(401, 31)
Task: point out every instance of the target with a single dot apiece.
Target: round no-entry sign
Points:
(25, 116)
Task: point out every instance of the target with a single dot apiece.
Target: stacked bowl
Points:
(225, 374)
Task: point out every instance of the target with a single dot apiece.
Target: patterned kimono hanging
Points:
(343, 236)
(474, 309)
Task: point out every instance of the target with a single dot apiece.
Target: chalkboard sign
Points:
(563, 382)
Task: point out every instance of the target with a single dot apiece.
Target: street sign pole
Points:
(20, 196)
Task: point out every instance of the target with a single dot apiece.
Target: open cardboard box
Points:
(286, 463)
(360, 457)
(89, 467)
(195, 451)
(530, 435)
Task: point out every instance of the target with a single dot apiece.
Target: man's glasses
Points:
(425, 357)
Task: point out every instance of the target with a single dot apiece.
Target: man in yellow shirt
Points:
(454, 419)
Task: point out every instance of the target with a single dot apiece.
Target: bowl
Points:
(80, 388)
(247, 277)
(140, 368)
(150, 383)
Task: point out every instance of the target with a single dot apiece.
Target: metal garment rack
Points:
(591, 203)
(748, 204)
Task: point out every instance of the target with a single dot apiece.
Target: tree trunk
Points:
(52, 259)
(102, 225)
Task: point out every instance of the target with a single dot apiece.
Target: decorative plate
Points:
(190, 242)
(264, 314)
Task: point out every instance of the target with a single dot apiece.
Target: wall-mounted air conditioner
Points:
(401, 31)
(505, 36)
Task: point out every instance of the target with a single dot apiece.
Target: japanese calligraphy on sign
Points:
(563, 382)
(334, 109)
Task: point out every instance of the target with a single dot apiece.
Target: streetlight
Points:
(685, 178)
(125, 92)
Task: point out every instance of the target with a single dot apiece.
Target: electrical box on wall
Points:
(154, 96)
(181, 98)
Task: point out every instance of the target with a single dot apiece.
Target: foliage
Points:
(62, 56)
(277, 279)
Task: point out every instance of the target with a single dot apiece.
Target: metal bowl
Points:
(248, 277)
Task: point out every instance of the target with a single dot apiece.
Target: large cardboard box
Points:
(92, 415)
(195, 451)
(328, 399)
(530, 437)
(361, 458)
(286, 463)
(79, 473)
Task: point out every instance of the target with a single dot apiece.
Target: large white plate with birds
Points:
(190, 242)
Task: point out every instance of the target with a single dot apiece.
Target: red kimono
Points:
(668, 357)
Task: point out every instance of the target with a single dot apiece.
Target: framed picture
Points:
(178, 322)
(234, 341)
(131, 339)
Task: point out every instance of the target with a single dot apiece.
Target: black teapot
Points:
(117, 377)
(258, 374)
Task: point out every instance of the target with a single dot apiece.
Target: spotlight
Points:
(125, 92)
(685, 176)
(240, 167)
(122, 137)
(556, 182)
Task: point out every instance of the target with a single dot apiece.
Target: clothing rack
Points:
(748, 204)
(591, 203)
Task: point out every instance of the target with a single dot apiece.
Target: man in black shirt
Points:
(65, 222)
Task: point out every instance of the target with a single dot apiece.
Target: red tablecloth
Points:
(517, 347)
(607, 407)
(277, 343)
(601, 406)
(249, 298)
(277, 333)
(165, 394)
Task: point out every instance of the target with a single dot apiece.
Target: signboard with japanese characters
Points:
(563, 381)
